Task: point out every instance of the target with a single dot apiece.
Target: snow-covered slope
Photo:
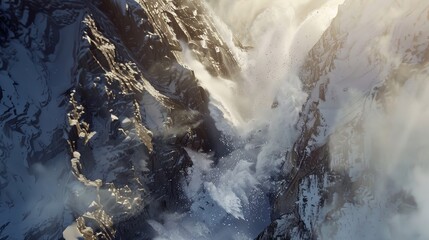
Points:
(356, 163)
(190, 119)
(95, 113)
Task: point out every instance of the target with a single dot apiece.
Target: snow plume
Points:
(257, 111)
(279, 41)
(268, 97)
(388, 162)
(382, 144)
(401, 158)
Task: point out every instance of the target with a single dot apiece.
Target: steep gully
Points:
(107, 84)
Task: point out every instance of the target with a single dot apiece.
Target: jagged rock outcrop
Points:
(96, 109)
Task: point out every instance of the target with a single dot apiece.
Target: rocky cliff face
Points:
(99, 113)
(96, 110)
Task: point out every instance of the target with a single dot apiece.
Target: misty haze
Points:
(214, 119)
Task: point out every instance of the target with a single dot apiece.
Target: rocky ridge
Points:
(100, 83)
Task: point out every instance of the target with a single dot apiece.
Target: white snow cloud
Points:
(386, 154)
(257, 111)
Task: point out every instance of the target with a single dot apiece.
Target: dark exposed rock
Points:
(132, 109)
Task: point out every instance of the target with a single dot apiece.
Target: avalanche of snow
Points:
(257, 111)
(385, 156)
(382, 148)
(379, 143)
